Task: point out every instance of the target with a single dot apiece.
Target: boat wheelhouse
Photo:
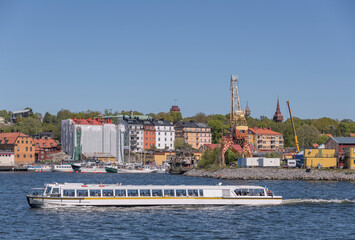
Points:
(79, 194)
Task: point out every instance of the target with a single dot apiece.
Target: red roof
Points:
(10, 138)
(351, 134)
(329, 135)
(89, 121)
(263, 131)
(45, 143)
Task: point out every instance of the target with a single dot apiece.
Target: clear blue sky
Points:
(141, 55)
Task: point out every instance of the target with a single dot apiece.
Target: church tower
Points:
(278, 116)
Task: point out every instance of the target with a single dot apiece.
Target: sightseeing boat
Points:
(39, 168)
(130, 170)
(79, 194)
(62, 168)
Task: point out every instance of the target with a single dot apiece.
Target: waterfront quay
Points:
(275, 174)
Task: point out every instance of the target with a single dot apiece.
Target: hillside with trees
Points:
(308, 130)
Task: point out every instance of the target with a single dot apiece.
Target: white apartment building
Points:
(164, 134)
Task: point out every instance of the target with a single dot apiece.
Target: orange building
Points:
(195, 134)
(149, 134)
(21, 144)
(264, 139)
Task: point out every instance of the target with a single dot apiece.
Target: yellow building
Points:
(157, 158)
(349, 158)
(325, 157)
(104, 157)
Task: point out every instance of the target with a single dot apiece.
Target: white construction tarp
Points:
(106, 138)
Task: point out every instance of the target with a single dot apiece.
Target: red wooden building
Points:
(339, 144)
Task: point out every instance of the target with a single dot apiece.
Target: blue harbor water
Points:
(311, 210)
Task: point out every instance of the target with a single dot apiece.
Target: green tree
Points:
(322, 139)
(217, 128)
(179, 143)
(49, 118)
(3, 113)
(231, 156)
(307, 135)
(30, 126)
(175, 116)
(208, 158)
(325, 125)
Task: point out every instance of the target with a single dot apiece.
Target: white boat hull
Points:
(152, 201)
(136, 171)
(92, 170)
(39, 169)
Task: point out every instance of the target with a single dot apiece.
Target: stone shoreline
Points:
(275, 174)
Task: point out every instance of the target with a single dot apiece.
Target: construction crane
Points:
(238, 124)
(293, 127)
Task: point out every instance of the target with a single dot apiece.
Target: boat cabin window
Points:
(55, 191)
(180, 192)
(169, 192)
(95, 193)
(69, 193)
(157, 193)
(192, 192)
(132, 192)
(82, 193)
(249, 192)
(145, 192)
(107, 192)
(201, 193)
(48, 190)
(256, 192)
(120, 192)
(238, 192)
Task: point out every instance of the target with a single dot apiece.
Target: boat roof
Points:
(101, 185)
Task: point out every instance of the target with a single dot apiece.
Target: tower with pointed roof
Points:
(247, 110)
(278, 116)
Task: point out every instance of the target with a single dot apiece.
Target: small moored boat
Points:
(62, 168)
(79, 194)
(39, 168)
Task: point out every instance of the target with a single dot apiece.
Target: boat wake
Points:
(316, 201)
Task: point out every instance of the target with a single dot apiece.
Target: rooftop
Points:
(263, 131)
(45, 143)
(192, 124)
(344, 140)
(10, 138)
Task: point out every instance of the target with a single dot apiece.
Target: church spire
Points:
(278, 116)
